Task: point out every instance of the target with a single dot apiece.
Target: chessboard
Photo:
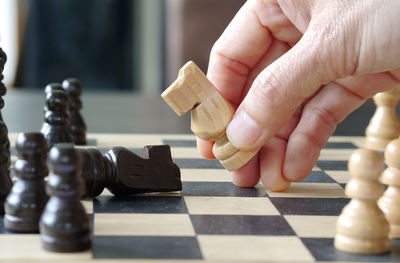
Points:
(211, 219)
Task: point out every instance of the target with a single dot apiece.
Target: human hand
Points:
(294, 70)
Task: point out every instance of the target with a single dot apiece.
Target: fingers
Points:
(318, 58)
(318, 121)
(271, 157)
(243, 44)
(205, 148)
(248, 175)
(269, 161)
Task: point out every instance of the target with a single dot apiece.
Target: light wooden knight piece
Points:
(390, 201)
(210, 113)
(384, 125)
(362, 226)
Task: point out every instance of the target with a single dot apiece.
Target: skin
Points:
(294, 70)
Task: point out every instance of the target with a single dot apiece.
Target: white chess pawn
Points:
(384, 126)
(362, 227)
(390, 201)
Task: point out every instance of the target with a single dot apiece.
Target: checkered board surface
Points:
(211, 219)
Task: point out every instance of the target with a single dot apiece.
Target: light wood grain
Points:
(384, 125)
(362, 227)
(210, 113)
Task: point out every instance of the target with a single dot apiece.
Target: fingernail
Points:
(243, 131)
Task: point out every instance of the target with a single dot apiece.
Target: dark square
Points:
(332, 165)
(139, 204)
(180, 143)
(340, 145)
(146, 247)
(198, 164)
(240, 225)
(219, 189)
(317, 177)
(309, 206)
(323, 250)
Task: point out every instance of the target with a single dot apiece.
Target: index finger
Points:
(243, 44)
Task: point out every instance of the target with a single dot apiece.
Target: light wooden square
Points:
(313, 226)
(335, 154)
(315, 190)
(28, 247)
(88, 205)
(205, 175)
(143, 225)
(269, 248)
(185, 152)
(342, 177)
(212, 205)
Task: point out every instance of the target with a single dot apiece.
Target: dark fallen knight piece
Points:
(48, 89)
(64, 225)
(56, 117)
(5, 180)
(124, 172)
(26, 201)
(77, 126)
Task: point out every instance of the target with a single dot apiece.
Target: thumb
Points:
(280, 89)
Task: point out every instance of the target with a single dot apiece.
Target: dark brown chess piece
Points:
(56, 118)
(64, 225)
(124, 172)
(3, 89)
(5, 180)
(48, 89)
(77, 126)
(26, 201)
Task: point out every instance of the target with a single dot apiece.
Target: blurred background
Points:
(125, 53)
(132, 45)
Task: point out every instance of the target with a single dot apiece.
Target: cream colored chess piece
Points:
(384, 125)
(390, 201)
(211, 113)
(362, 227)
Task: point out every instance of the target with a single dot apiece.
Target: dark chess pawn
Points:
(3, 89)
(124, 172)
(56, 117)
(77, 126)
(26, 201)
(5, 180)
(64, 225)
(48, 89)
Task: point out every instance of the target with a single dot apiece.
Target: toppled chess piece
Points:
(64, 225)
(384, 126)
(124, 172)
(77, 126)
(55, 129)
(211, 113)
(26, 201)
(5, 180)
(362, 227)
(390, 201)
